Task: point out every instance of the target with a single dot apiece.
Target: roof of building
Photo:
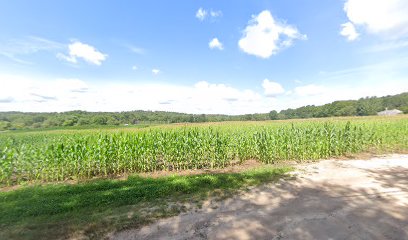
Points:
(390, 112)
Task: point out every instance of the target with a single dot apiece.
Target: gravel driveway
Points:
(330, 199)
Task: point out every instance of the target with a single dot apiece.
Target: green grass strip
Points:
(60, 210)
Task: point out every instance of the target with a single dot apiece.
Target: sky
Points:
(212, 56)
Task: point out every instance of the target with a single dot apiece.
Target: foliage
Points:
(361, 107)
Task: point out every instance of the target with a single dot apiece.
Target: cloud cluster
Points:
(202, 14)
(84, 51)
(27, 94)
(20, 93)
(265, 36)
(388, 18)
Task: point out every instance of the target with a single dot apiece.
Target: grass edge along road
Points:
(94, 208)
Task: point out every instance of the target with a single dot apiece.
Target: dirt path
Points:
(332, 199)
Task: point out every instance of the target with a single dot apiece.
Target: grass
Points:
(94, 208)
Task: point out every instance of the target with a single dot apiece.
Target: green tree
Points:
(100, 120)
(273, 115)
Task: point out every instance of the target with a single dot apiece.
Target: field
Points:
(93, 208)
(59, 155)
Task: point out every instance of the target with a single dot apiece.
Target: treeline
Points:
(21, 120)
(361, 107)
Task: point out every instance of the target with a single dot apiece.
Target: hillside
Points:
(362, 107)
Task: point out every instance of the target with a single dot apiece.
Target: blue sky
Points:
(199, 56)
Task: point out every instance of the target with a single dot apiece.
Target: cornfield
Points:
(58, 155)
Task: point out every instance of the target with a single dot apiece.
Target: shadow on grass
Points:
(70, 208)
(371, 206)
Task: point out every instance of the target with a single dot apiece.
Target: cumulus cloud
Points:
(155, 71)
(84, 51)
(215, 43)
(264, 36)
(388, 18)
(201, 14)
(15, 49)
(349, 31)
(272, 89)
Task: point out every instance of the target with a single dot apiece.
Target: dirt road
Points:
(331, 199)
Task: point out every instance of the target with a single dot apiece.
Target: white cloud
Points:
(134, 67)
(136, 50)
(264, 36)
(201, 14)
(386, 17)
(155, 71)
(309, 90)
(81, 50)
(272, 89)
(20, 93)
(349, 31)
(215, 43)
(16, 49)
(28, 94)
(39, 93)
(215, 14)
(71, 85)
(320, 95)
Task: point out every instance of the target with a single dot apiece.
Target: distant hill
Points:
(362, 107)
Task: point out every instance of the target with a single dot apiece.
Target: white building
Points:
(387, 112)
